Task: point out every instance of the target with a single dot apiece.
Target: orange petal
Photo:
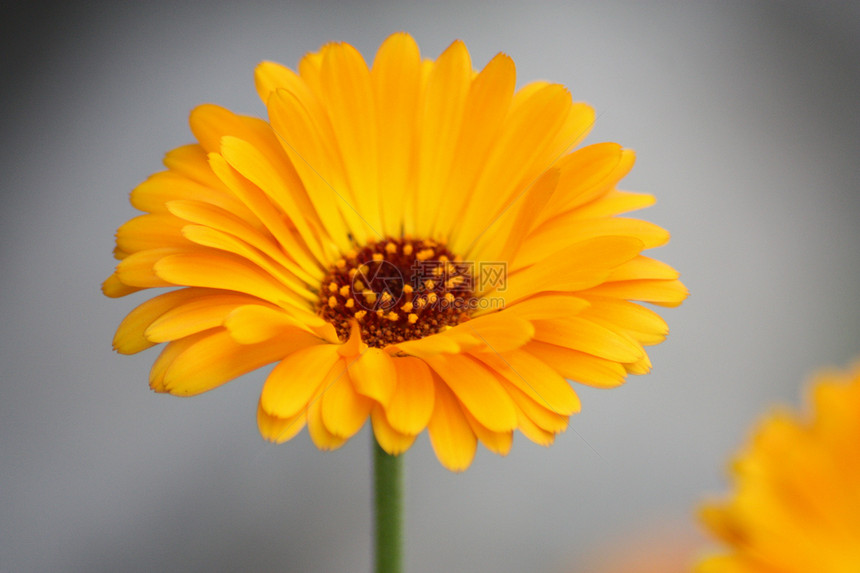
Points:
(129, 337)
(320, 435)
(497, 442)
(578, 366)
(478, 390)
(343, 409)
(451, 436)
(535, 378)
(294, 381)
(217, 358)
(279, 430)
(389, 439)
(373, 375)
(411, 404)
(194, 313)
(590, 337)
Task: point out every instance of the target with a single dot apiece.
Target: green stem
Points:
(388, 487)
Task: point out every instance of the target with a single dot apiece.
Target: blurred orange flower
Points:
(796, 504)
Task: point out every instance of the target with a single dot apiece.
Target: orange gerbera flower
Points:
(796, 505)
(410, 242)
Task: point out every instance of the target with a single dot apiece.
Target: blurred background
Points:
(745, 119)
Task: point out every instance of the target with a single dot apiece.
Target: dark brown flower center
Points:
(397, 290)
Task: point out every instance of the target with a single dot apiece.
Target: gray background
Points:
(745, 120)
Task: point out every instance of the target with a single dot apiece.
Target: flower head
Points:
(796, 505)
(410, 241)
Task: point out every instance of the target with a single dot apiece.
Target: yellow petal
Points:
(547, 306)
(645, 325)
(209, 237)
(191, 162)
(587, 174)
(534, 378)
(411, 404)
(294, 381)
(343, 409)
(486, 106)
(451, 436)
(660, 292)
(279, 430)
(578, 366)
(153, 194)
(478, 390)
(222, 271)
(270, 76)
(642, 267)
(396, 77)
(497, 442)
(251, 232)
(168, 355)
(260, 204)
(373, 375)
(429, 346)
(518, 157)
(311, 147)
(440, 117)
(590, 337)
(138, 269)
(561, 232)
(496, 332)
(641, 366)
(115, 288)
(514, 224)
(191, 314)
(532, 431)
(576, 267)
(253, 323)
(351, 108)
(217, 358)
(389, 439)
(536, 411)
(282, 188)
(613, 202)
(129, 337)
(320, 435)
(150, 232)
(211, 123)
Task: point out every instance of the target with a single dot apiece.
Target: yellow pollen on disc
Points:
(383, 282)
(425, 254)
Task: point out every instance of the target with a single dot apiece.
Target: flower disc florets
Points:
(397, 290)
